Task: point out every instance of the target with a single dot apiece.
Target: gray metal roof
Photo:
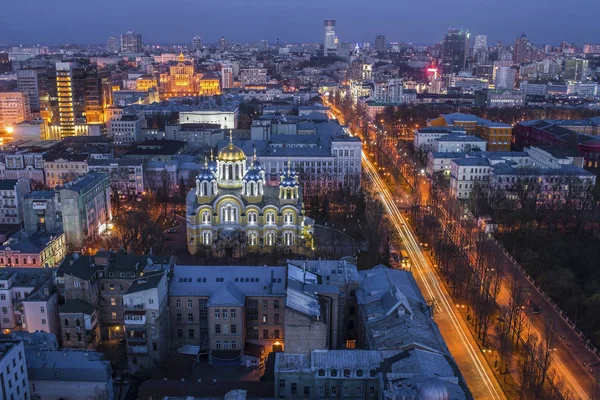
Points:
(72, 366)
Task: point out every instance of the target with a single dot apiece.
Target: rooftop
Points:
(77, 306)
(85, 182)
(455, 137)
(72, 366)
(8, 184)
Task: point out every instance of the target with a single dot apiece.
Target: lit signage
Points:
(39, 205)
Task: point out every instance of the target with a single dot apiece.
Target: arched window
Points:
(252, 218)
(237, 171)
(228, 214)
(270, 218)
(206, 238)
(270, 238)
(251, 188)
(288, 218)
(230, 171)
(77, 322)
(288, 238)
(204, 188)
(206, 217)
(252, 238)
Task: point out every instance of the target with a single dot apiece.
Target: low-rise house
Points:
(36, 250)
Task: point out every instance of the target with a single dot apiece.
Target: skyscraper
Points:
(520, 49)
(480, 44)
(226, 77)
(197, 43)
(576, 69)
(222, 44)
(112, 45)
(131, 43)
(33, 82)
(380, 43)
(329, 46)
(505, 78)
(455, 49)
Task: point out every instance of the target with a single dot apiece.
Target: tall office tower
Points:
(131, 43)
(222, 44)
(197, 43)
(455, 49)
(380, 43)
(226, 77)
(98, 95)
(480, 43)
(67, 99)
(112, 45)
(33, 82)
(5, 64)
(329, 45)
(520, 49)
(576, 69)
(505, 78)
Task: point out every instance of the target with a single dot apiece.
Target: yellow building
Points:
(232, 210)
(497, 135)
(182, 80)
(145, 83)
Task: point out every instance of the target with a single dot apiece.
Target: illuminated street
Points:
(477, 372)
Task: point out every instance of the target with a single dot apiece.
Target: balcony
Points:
(134, 317)
(134, 306)
(136, 339)
(137, 349)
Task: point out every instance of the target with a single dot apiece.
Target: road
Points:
(479, 376)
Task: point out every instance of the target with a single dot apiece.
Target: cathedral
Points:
(233, 210)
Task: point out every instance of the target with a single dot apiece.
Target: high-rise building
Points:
(33, 82)
(14, 108)
(329, 45)
(5, 64)
(455, 49)
(131, 43)
(197, 43)
(480, 44)
(380, 43)
(226, 77)
(520, 49)
(76, 96)
(576, 69)
(222, 44)
(112, 45)
(505, 78)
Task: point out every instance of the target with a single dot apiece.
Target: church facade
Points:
(232, 209)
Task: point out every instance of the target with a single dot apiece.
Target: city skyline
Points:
(272, 20)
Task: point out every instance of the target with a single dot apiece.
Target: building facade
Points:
(14, 108)
(14, 383)
(233, 208)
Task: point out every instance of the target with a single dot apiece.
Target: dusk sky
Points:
(177, 21)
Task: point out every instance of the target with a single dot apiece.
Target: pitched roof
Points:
(73, 366)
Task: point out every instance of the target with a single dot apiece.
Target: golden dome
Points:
(231, 152)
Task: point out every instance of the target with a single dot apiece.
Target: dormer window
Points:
(333, 373)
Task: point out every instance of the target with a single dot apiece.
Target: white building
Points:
(73, 375)
(505, 98)
(27, 300)
(505, 78)
(454, 142)
(441, 162)
(126, 175)
(583, 89)
(389, 91)
(424, 138)
(253, 76)
(534, 89)
(226, 118)
(12, 192)
(13, 376)
(126, 128)
(466, 173)
(360, 89)
(195, 135)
